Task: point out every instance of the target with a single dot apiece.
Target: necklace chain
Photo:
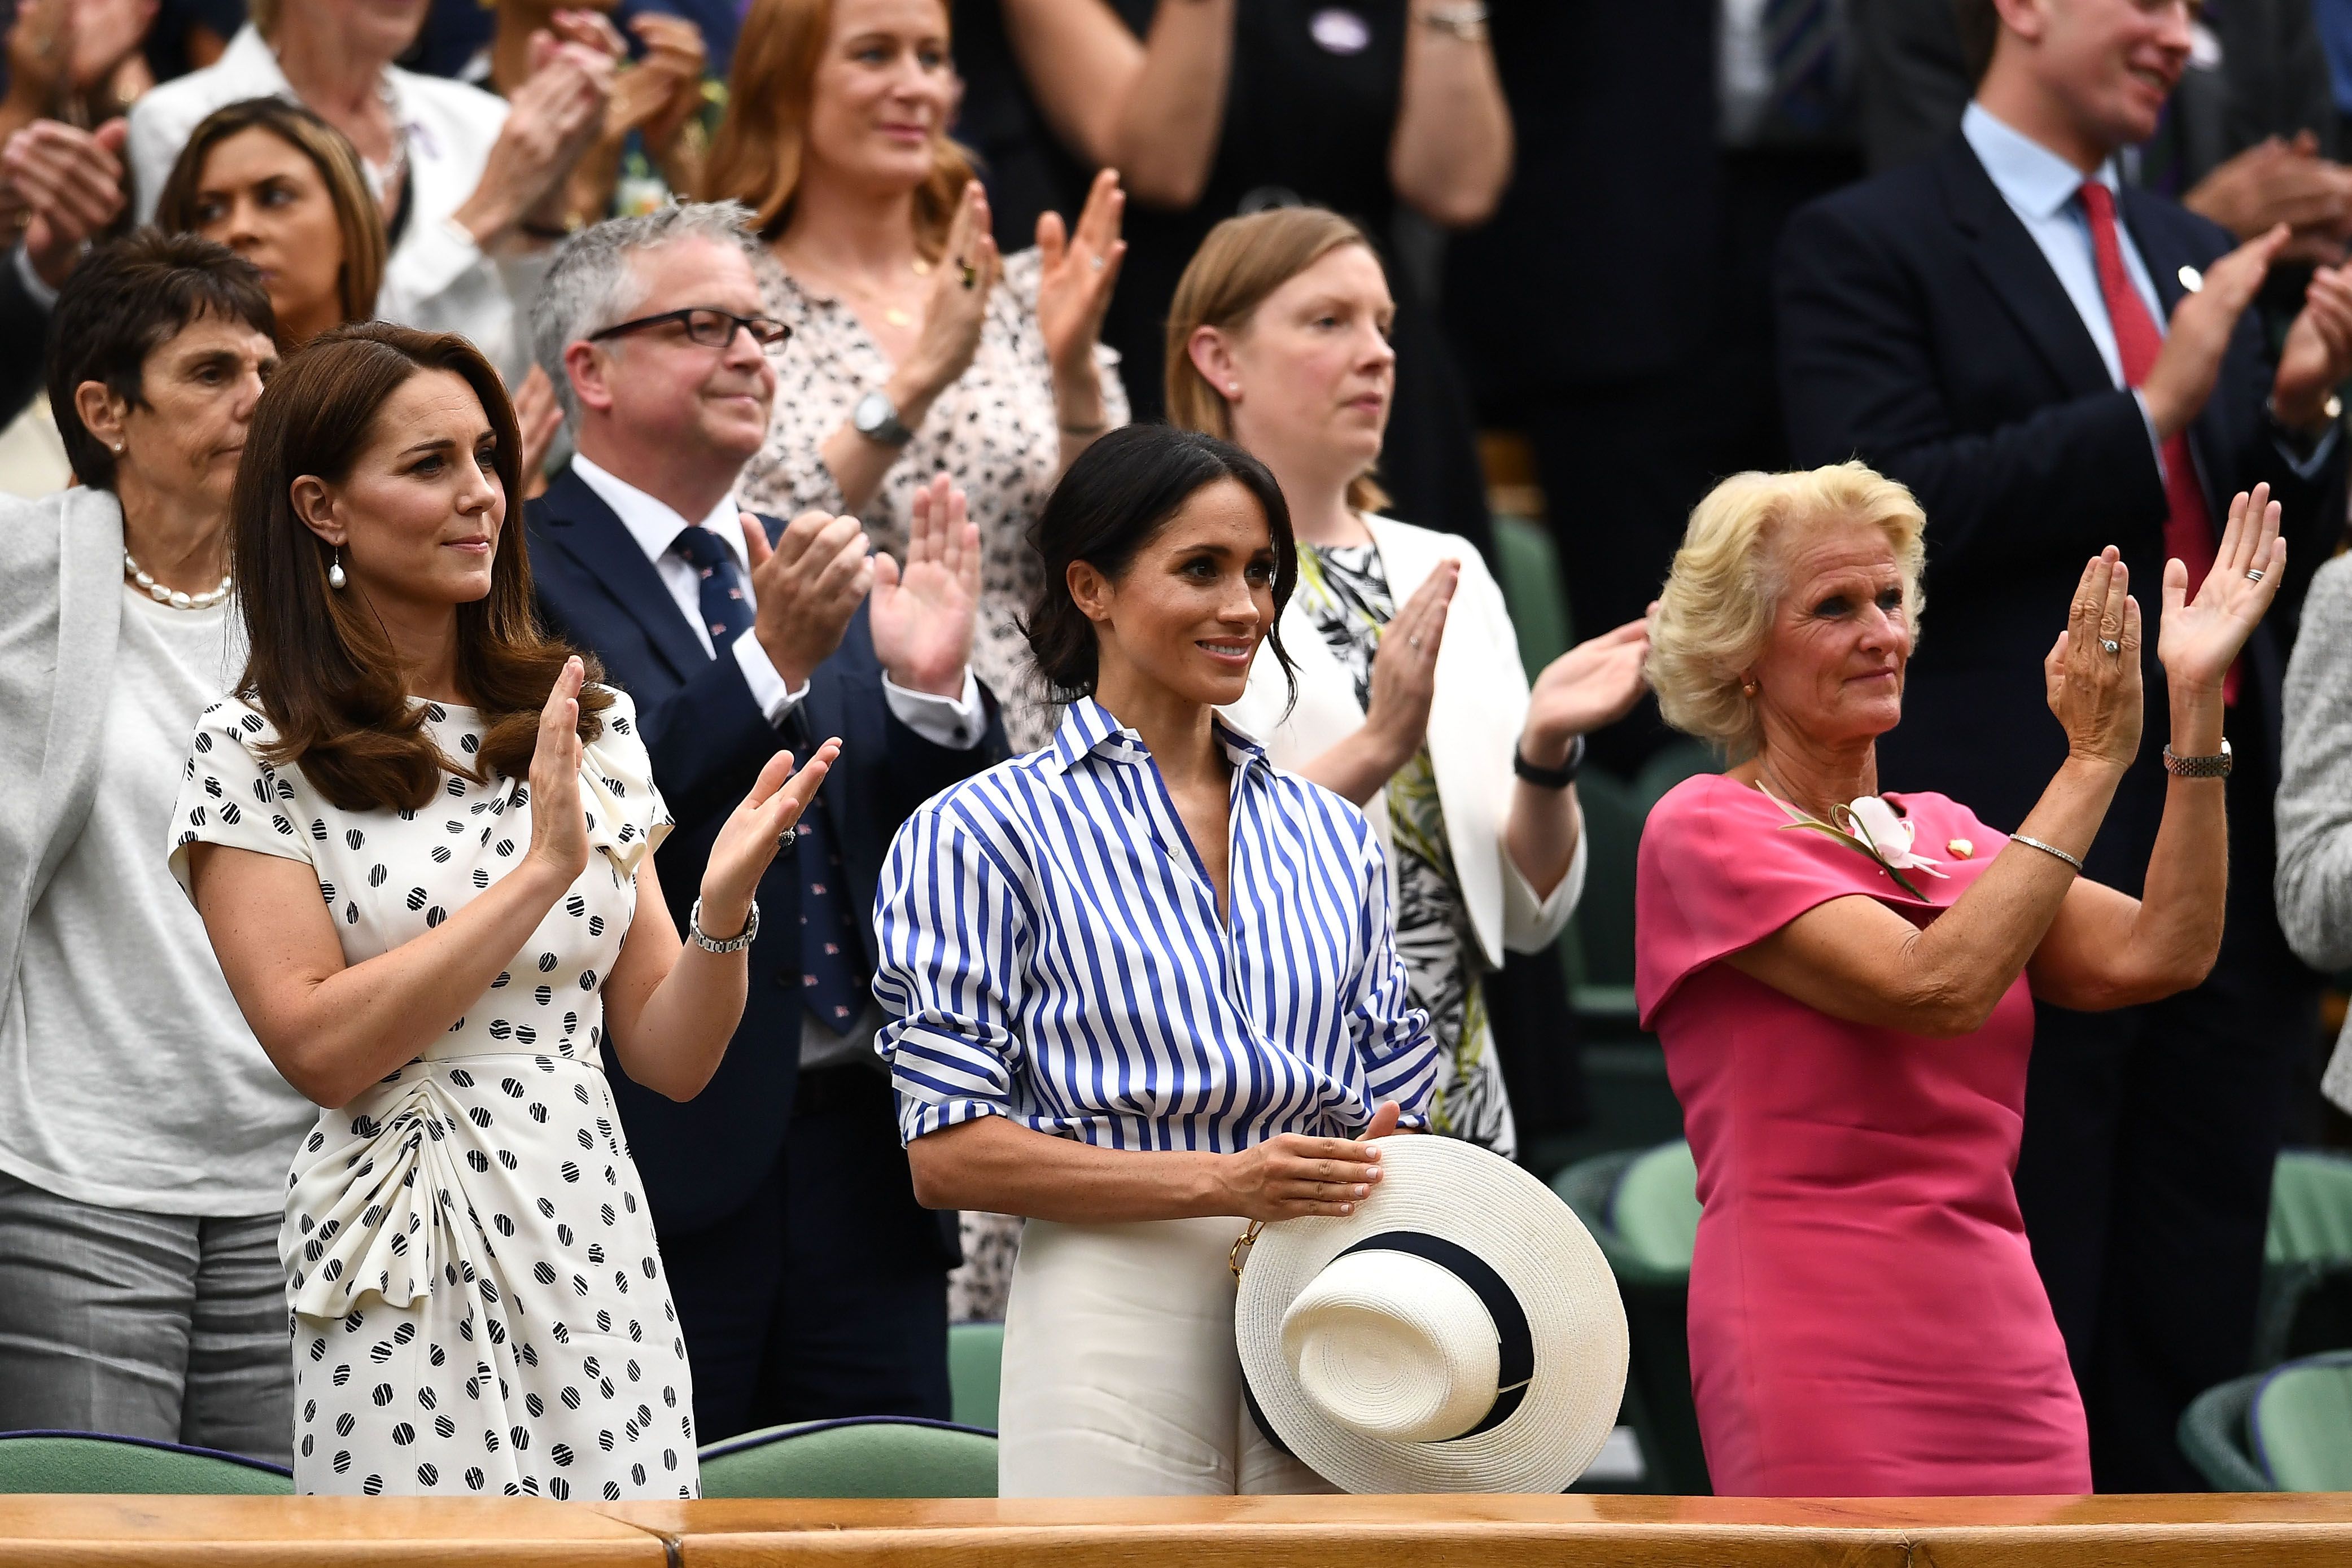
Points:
(178, 599)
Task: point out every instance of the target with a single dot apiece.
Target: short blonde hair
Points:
(1715, 611)
(1242, 262)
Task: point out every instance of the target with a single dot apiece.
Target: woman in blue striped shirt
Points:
(1146, 985)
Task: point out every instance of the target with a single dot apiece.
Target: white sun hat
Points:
(1460, 1332)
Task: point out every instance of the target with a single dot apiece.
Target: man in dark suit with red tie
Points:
(809, 1282)
(2054, 363)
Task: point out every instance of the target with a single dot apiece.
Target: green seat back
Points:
(869, 1458)
(1603, 928)
(975, 1363)
(80, 1462)
(1654, 1210)
(2311, 1208)
(2302, 1424)
(1528, 567)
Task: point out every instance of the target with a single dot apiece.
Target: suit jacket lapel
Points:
(2018, 274)
(583, 527)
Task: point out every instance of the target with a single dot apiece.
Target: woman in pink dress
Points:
(1846, 1015)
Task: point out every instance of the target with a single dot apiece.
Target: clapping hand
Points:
(1589, 688)
(922, 618)
(961, 281)
(551, 120)
(2092, 675)
(538, 417)
(806, 589)
(559, 826)
(2317, 355)
(1076, 276)
(658, 94)
(2201, 638)
(748, 841)
(1404, 666)
(70, 184)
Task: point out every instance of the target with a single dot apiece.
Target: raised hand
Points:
(1590, 686)
(559, 824)
(2187, 366)
(70, 183)
(551, 120)
(961, 281)
(658, 94)
(2317, 355)
(1077, 276)
(538, 417)
(1404, 670)
(2095, 692)
(748, 841)
(2200, 638)
(922, 618)
(806, 588)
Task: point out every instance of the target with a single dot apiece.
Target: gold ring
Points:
(971, 273)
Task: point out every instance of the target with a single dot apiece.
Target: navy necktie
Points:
(726, 613)
(831, 983)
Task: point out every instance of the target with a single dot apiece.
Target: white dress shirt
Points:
(955, 723)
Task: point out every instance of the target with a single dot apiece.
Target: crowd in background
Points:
(802, 309)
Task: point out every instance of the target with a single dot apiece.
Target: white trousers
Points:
(1120, 1377)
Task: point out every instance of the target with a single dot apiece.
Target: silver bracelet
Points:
(734, 944)
(1466, 21)
(2047, 849)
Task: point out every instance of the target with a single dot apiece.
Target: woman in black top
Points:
(1212, 108)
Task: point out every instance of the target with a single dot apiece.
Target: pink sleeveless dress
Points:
(1865, 1319)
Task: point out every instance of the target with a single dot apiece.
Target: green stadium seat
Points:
(2301, 1424)
(2306, 1299)
(90, 1462)
(888, 1457)
(1528, 569)
(1641, 1205)
(2213, 1436)
(975, 1366)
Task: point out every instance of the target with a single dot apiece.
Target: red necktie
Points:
(2188, 526)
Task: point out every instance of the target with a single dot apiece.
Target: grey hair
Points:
(590, 284)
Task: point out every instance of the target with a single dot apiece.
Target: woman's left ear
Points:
(315, 505)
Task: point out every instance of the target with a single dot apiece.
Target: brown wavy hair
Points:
(338, 163)
(755, 159)
(1243, 261)
(322, 667)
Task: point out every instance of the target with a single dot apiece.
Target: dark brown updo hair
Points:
(1121, 491)
(322, 667)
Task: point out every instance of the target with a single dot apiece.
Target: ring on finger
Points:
(785, 839)
(971, 273)
(1413, 642)
(2111, 646)
(2253, 574)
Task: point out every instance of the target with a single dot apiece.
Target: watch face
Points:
(872, 413)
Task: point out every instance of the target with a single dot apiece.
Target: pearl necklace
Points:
(176, 598)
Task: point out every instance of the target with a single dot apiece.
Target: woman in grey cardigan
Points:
(2313, 886)
(144, 1138)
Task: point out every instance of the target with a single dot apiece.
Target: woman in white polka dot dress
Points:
(418, 865)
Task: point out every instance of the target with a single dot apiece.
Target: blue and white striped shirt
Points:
(1051, 946)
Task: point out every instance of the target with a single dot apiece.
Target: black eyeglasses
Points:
(706, 324)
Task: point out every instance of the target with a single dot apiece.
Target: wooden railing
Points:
(1220, 1533)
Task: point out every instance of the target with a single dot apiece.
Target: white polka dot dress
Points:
(477, 1303)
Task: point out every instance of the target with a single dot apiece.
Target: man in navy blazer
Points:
(1949, 324)
(809, 1282)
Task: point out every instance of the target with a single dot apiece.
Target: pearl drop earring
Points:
(335, 578)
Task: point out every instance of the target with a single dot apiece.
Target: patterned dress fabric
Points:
(1345, 589)
(993, 432)
(476, 1302)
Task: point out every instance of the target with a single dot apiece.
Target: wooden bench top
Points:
(1212, 1533)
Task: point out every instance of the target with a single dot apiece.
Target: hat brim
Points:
(1479, 1200)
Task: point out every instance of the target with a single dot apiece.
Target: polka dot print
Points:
(994, 432)
(476, 1302)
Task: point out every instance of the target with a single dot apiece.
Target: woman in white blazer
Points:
(1411, 698)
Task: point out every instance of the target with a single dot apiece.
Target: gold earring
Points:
(1747, 688)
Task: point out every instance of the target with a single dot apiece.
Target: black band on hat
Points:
(1515, 1361)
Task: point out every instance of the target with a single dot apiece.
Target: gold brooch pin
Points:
(1960, 849)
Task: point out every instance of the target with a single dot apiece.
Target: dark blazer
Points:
(1922, 331)
(701, 1160)
(24, 328)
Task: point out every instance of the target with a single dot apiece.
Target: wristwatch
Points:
(1465, 21)
(2217, 765)
(1558, 778)
(734, 944)
(875, 417)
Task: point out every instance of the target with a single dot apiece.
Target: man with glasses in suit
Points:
(809, 1284)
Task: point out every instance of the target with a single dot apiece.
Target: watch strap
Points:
(1558, 778)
